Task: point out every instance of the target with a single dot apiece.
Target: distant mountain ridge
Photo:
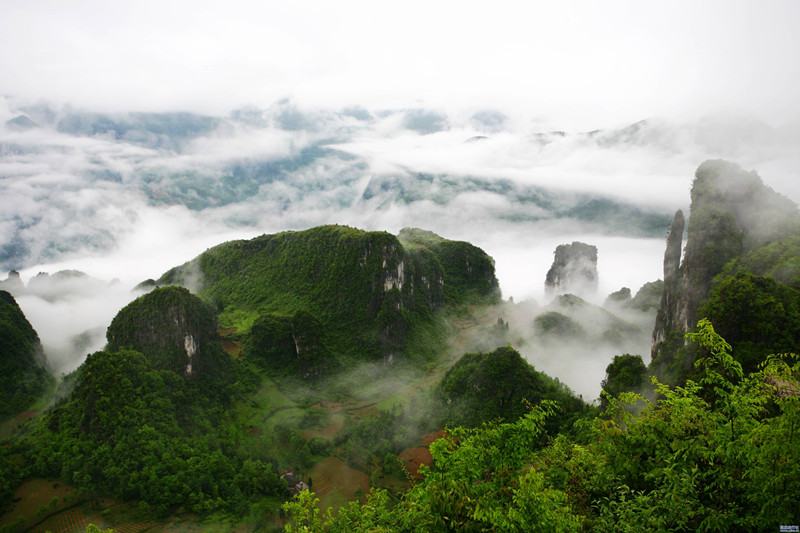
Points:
(285, 159)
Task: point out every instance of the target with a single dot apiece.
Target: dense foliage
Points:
(370, 298)
(718, 454)
(779, 260)
(468, 271)
(625, 373)
(499, 385)
(139, 432)
(756, 315)
(737, 225)
(289, 346)
(22, 374)
(552, 325)
(173, 328)
(648, 297)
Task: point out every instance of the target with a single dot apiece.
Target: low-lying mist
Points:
(126, 197)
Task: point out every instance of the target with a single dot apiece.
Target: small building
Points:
(295, 484)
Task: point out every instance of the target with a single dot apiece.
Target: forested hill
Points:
(338, 293)
(175, 330)
(22, 374)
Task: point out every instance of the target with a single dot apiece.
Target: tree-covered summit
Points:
(468, 271)
(499, 385)
(173, 328)
(366, 295)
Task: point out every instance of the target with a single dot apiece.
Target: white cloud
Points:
(578, 64)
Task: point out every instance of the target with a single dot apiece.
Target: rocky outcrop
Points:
(13, 284)
(468, 274)
(732, 213)
(672, 313)
(574, 270)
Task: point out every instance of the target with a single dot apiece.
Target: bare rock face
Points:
(672, 314)
(574, 270)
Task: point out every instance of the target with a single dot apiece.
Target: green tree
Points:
(756, 315)
(625, 373)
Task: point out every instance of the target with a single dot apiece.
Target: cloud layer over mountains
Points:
(126, 196)
(80, 183)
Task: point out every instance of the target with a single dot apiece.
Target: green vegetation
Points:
(173, 328)
(499, 386)
(468, 271)
(740, 269)
(138, 432)
(757, 315)
(779, 260)
(718, 454)
(338, 370)
(625, 373)
(356, 296)
(357, 286)
(556, 326)
(23, 378)
(648, 297)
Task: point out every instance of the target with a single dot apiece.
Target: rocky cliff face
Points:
(732, 213)
(672, 313)
(574, 270)
(468, 274)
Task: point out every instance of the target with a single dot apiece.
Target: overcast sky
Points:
(570, 64)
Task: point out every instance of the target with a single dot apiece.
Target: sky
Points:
(577, 65)
(686, 66)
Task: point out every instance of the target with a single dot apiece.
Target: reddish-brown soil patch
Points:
(34, 493)
(364, 412)
(232, 347)
(428, 438)
(133, 527)
(333, 474)
(413, 458)
(70, 520)
(420, 455)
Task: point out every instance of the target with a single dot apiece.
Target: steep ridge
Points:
(733, 216)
